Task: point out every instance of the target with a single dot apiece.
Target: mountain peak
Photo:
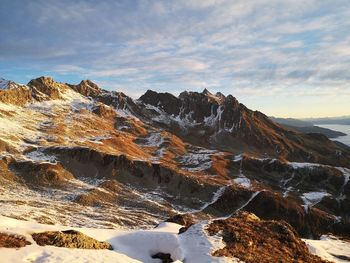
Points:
(87, 82)
(3, 83)
(45, 88)
(206, 92)
(47, 80)
(166, 101)
(87, 88)
(8, 84)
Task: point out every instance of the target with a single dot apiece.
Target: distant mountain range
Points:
(343, 120)
(308, 126)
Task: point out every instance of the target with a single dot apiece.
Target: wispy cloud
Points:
(251, 48)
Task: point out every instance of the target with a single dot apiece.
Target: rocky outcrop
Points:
(95, 197)
(41, 173)
(20, 95)
(104, 111)
(87, 88)
(232, 199)
(165, 101)
(7, 147)
(121, 102)
(69, 239)
(13, 241)
(253, 240)
(85, 162)
(308, 223)
(279, 173)
(45, 88)
(6, 175)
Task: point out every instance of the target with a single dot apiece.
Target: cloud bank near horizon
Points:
(270, 54)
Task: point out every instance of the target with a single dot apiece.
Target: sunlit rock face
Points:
(100, 158)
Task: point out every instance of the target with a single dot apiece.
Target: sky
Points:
(287, 58)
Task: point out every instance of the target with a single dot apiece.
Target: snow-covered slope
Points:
(128, 246)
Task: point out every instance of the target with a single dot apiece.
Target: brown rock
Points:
(104, 111)
(45, 88)
(253, 240)
(87, 88)
(13, 241)
(41, 173)
(69, 239)
(185, 220)
(19, 96)
(95, 197)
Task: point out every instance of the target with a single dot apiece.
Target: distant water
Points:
(341, 128)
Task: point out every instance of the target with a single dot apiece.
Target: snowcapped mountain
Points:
(81, 156)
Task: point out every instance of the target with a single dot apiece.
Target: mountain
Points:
(82, 156)
(292, 122)
(306, 127)
(219, 122)
(344, 120)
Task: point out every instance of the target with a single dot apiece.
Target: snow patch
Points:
(197, 245)
(243, 181)
(40, 156)
(312, 198)
(198, 159)
(296, 165)
(155, 140)
(329, 248)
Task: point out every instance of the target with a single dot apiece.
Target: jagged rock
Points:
(120, 101)
(165, 101)
(87, 88)
(13, 241)
(104, 111)
(231, 199)
(69, 239)
(253, 240)
(19, 95)
(314, 223)
(45, 88)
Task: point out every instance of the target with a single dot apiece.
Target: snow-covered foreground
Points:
(138, 246)
(329, 248)
(129, 246)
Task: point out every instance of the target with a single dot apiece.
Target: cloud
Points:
(253, 48)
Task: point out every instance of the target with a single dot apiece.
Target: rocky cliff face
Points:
(100, 158)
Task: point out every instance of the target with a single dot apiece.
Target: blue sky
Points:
(284, 58)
